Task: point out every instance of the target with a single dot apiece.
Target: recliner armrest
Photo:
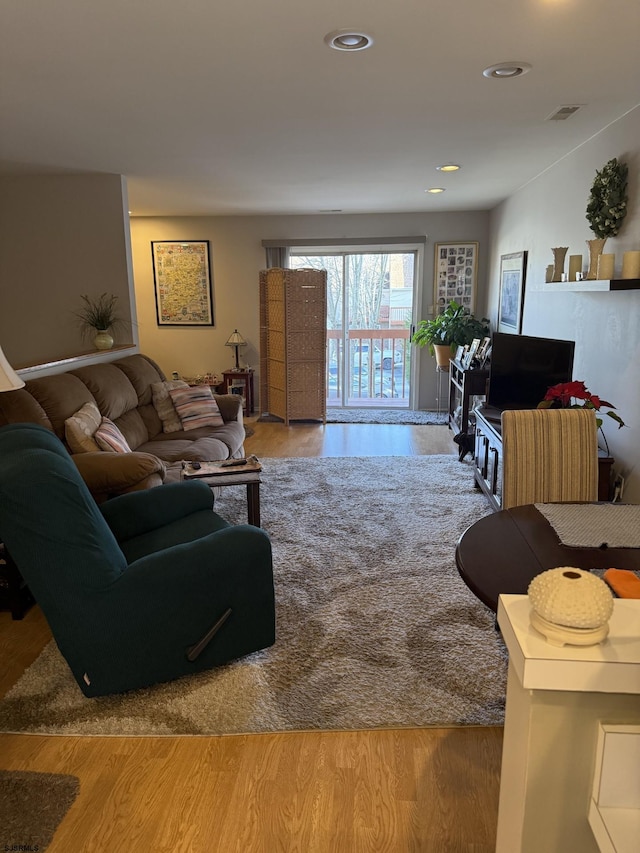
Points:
(140, 512)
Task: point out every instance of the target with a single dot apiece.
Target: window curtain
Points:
(277, 256)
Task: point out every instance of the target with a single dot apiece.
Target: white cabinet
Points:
(556, 700)
(614, 811)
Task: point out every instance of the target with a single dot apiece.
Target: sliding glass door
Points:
(370, 299)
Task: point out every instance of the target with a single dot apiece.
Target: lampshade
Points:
(9, 379)
(236, 340)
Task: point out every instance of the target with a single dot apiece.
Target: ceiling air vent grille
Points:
(564, 112)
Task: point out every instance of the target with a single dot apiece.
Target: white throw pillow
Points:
(79, 429)
(163, 404)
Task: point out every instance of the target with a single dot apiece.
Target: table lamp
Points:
(236, 340)
(9, 379)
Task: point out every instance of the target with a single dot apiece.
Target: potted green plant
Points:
(455, 327)
(98, 317)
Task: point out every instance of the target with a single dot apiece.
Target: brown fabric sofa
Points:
(122, 392)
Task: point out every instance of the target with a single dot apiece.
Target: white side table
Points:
(556, 697)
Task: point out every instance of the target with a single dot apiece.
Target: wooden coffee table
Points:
(504, 551)
(214, 475)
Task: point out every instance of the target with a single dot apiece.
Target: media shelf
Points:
(464, 384)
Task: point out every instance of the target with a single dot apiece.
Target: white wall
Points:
(237, 257)
(550, 211)
(60, 236)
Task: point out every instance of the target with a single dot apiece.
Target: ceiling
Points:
(239, 108)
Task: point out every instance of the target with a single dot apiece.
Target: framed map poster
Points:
(455, 275)
(182, 282)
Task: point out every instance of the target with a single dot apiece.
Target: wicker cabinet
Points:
(293, 340)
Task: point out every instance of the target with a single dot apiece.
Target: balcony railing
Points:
(378, 362)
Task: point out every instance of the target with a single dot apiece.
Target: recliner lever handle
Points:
(196, 650)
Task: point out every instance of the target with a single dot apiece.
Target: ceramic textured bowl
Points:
(571, 598)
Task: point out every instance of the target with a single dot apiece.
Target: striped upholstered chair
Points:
(549, 455)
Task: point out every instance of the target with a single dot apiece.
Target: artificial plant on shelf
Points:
(99, 316)
(606, 208)
(575, 395)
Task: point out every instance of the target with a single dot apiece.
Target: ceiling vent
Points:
(564, 112)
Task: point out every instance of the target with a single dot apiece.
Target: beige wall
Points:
(550, 211)
(237, 257)
(60, 236)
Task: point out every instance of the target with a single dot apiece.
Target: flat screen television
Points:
(522, 368)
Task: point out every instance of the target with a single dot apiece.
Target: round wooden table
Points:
(503, 552)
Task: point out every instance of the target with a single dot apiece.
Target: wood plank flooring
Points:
(381, 791)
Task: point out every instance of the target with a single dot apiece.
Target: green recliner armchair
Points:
(148, 587)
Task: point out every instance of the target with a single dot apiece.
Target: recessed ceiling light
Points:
(448, 167)
(435, 190)
(348, 40)
(507, 70)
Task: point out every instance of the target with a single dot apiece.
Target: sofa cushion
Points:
(133, 428)
(196, 407)
(164, 406)
(110, 387)
(61, 396)
(109, 474)
(109, 437)
(80, 428)
(177, 446)
(142, 372)
(21, 407)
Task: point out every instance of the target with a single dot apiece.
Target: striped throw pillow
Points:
(109, 437)
(196, 407)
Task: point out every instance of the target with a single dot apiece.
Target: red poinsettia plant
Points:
(575, 395)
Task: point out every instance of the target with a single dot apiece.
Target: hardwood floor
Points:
(305, 439)
(381, 791)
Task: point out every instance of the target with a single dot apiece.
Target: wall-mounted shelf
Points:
(119, 351)
(595, 285)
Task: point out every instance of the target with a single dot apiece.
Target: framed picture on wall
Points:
(182, 282)
(455, 275)
(513, 269)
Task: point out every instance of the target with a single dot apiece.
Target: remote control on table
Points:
(232, 463)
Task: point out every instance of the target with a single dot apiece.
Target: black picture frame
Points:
(182, 282)
(513, 269)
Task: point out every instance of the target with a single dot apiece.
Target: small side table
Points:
(240, 382)
(236, 477)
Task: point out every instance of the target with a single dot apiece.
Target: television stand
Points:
(488, 459)
(464, 383)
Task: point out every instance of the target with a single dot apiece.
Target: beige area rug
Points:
(32, 806)
(375, 628)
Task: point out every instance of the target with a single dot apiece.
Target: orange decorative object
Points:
(624, 583)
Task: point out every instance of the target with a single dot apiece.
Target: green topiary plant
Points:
(607, 205)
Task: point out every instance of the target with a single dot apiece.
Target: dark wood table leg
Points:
(253, 503)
